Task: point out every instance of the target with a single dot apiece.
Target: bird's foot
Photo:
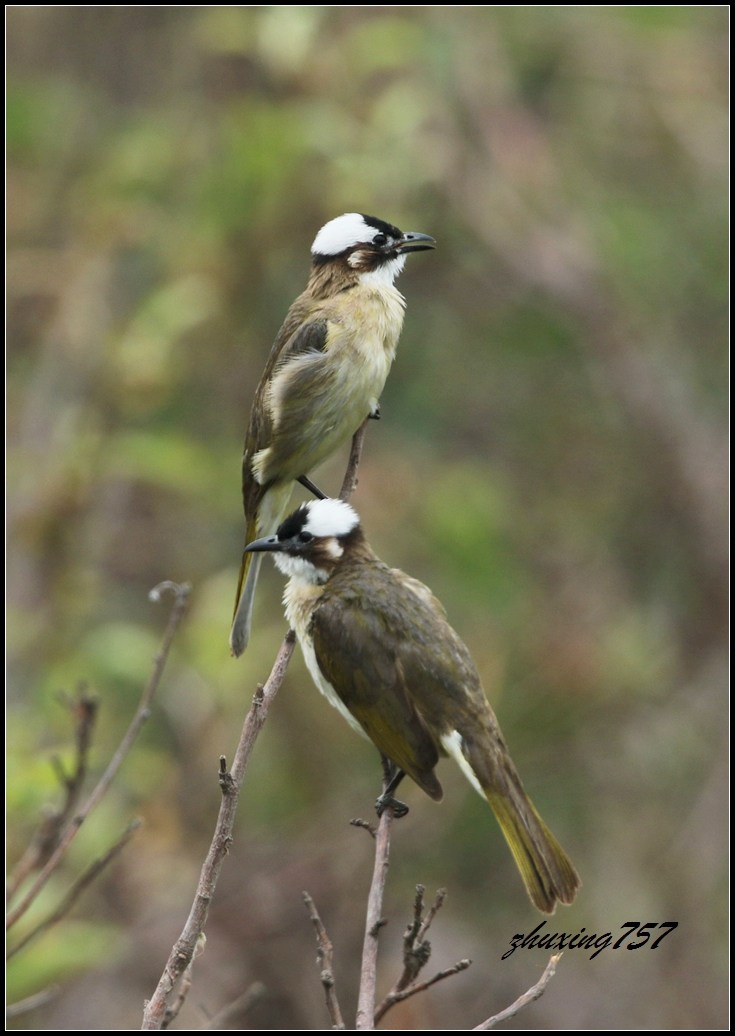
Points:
(308, 484)
(385, 801)
(375, 414)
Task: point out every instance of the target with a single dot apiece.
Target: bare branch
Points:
(32, 1002)
(324, 959)
(181, 990)
(438, 904)
(83, 882)
(533, 994)
(374, 922)
(396, 997)
(142, 714)
(237, 1007)
(416, 948)
(230, 783)
(370, 828)
(349, 483)
(416, 954)
(418, 909)
(84, 707)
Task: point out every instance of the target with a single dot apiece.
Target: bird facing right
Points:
(379, 647)
(324, 376)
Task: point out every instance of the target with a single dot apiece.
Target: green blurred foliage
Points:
(551, 461)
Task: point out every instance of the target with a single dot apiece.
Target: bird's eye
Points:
(380, 239)
(305, 537)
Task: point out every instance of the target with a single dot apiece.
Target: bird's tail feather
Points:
(271, 511)
(249, 571)
(548, 873)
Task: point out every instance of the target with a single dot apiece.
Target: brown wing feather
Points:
(430, 668)
(358, 658)
(260, 428)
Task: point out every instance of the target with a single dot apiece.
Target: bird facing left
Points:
(324, 375)
(379, 647)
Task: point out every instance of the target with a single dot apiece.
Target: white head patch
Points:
(341, 233)
(330, 518)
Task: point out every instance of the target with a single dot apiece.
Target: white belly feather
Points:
(300, 598)
(307, 646)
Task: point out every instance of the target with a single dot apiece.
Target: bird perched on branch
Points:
(324, 375)
(379, 647)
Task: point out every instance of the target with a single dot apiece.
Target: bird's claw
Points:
(399, 808)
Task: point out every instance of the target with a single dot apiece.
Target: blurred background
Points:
(551, 462)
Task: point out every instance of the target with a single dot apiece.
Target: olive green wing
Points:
(356, 652)
(309, 402)
(309, 338)
(299, 336)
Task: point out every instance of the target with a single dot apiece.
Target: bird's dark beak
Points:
(265, 543)
(411, 242)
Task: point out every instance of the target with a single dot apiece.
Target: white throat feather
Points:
(384, 275)
(300, 570)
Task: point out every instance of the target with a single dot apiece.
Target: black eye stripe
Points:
(380, 225)
(293, 525)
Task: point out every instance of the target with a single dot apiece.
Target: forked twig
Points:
(177, 1002)
(395, 998)
(182, 987)
(416, 954)
(433, 911)
(324, 958)
(141, 715)
(532, 994)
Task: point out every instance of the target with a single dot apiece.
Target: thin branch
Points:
(324, 958)
(370, 828)
(237, 1007)
(349, 483)
(83, 882)
(183, 949)
(32, 1002)
(230, 783)
(396, 997)
(418, 910)
(46, 838)
(533, 994)
(416, 954)
(181, 993)
(374, 922)
(142, 714)
(438, 904)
